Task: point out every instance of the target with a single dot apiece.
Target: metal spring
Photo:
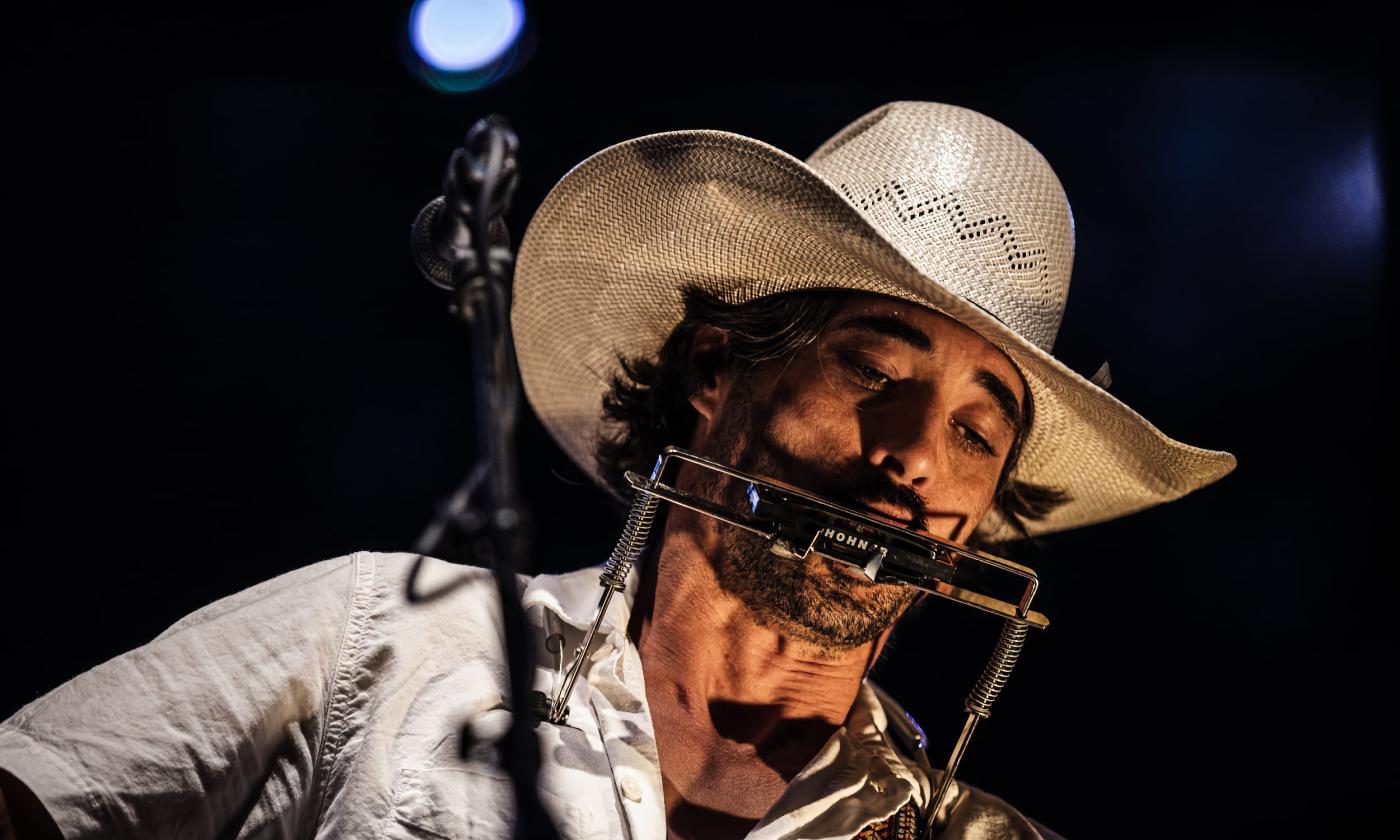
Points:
(998, 670)
(634, 539)
(613, 579)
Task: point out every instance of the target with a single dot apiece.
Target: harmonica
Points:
(797, 524)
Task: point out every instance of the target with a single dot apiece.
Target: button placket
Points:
(619, 704)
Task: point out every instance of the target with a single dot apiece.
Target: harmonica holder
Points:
(797, 524)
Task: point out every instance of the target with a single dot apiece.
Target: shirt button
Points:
(631, 789)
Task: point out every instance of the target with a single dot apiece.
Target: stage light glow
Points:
(457, 36)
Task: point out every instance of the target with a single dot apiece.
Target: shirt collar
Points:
(573, 597)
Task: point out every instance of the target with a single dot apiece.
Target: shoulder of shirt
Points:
(431, 572)
(335, 574)
(421, 588)
(356, 573)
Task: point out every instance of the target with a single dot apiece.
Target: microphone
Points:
(442, 235)
(459, 242)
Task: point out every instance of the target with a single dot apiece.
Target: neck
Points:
(710, 664)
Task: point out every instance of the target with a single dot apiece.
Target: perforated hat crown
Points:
(923, 201)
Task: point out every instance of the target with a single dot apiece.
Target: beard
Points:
(810, 600)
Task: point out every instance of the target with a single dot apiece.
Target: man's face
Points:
(894, 408)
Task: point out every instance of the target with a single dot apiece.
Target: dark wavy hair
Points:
(649, 398)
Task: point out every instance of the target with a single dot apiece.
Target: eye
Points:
(870, 378)
(975, 443)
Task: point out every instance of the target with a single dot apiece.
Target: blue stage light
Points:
(459, 36)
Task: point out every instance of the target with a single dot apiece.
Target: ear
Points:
(709, 359)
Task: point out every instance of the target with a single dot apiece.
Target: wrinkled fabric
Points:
(322, 704)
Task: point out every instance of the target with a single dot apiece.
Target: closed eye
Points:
(870, 378)
(975, 443)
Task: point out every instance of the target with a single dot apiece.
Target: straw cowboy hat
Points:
(923, 201)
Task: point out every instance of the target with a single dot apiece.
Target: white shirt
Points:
(322, 704)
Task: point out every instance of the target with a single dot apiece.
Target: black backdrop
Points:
(221, 365)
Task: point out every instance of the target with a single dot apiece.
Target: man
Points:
(873, 325)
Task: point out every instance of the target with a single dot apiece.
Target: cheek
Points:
(809, 421)
(981, 483)
(977, 479)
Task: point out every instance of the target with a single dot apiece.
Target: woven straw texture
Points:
(922, 201)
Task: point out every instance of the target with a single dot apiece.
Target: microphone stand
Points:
(481, 176)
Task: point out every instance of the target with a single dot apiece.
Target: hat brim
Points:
(603, 262)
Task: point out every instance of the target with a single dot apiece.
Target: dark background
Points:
(222, 365)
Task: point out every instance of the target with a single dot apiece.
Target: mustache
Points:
(859, 487)
(855, 484)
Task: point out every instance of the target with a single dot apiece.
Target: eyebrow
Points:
(891, 327)
(1005, 399)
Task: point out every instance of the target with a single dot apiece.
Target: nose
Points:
(906, 443)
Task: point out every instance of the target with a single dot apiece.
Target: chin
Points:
(836, 610)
